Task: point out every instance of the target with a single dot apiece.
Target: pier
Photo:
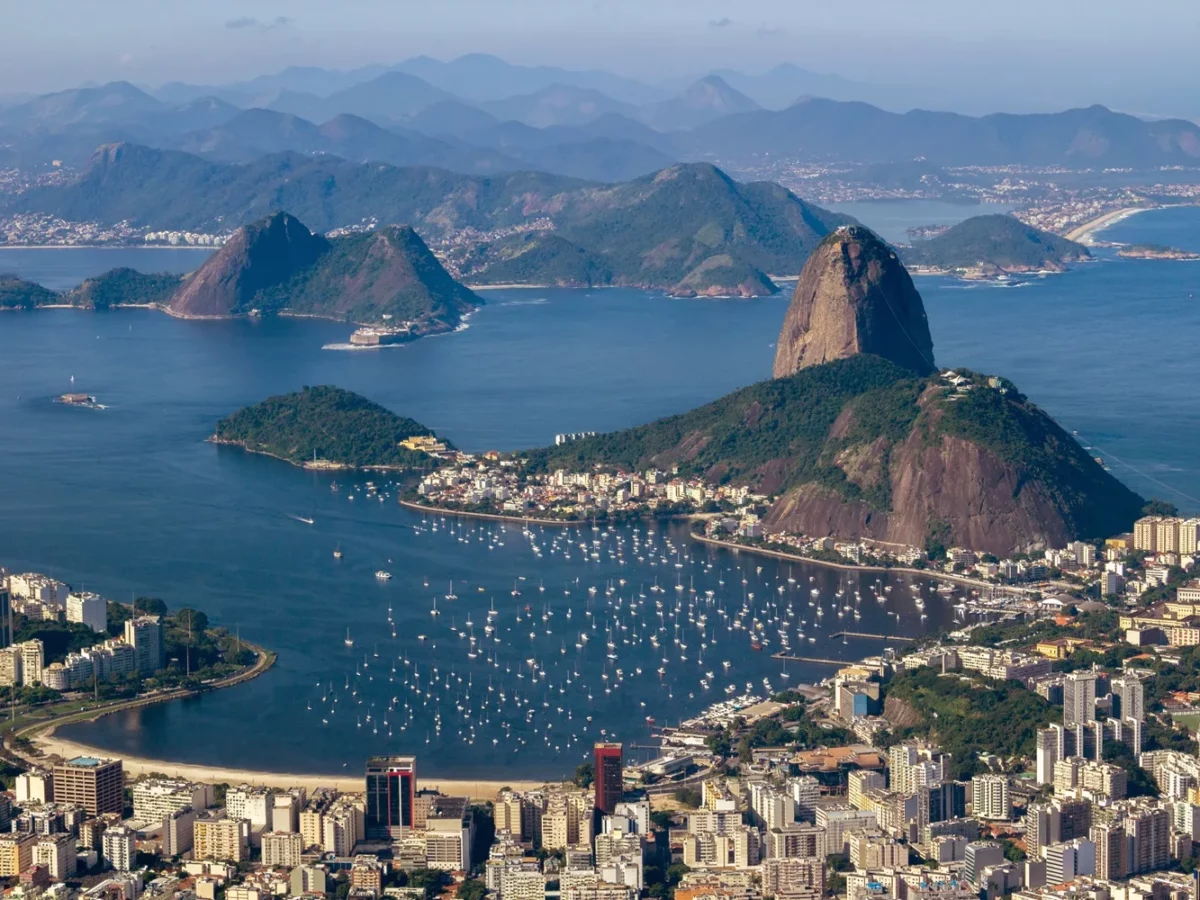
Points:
(882, 637)
(813, 659)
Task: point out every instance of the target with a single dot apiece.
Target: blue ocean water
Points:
(130, 499)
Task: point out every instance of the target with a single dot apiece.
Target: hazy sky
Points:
(1095, 51)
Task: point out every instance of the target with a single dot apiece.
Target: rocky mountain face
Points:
(276, 264)
(854, 296)
(258, 257)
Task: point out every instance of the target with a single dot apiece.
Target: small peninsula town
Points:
(544, 450)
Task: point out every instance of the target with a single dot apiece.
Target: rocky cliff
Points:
(276, 264)
(854, 296)
(260, 256)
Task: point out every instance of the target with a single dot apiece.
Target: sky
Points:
(1012, 54)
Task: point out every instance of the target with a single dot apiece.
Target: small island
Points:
(1155, 251)
(330, 428)
(992, 247)
(87, 401)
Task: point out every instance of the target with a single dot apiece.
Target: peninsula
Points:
(330, 428)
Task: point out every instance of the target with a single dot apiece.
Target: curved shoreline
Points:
(931, 574)
(562, 523)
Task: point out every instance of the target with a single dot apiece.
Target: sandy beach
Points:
(1087, 230)
(347, 780)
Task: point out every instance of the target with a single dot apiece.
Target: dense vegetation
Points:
(123, 286)
(779, 424)
(334, 424)
(968, 715)
(1094, 503)
(999, 241)
(16, 293)
(536, 258)
(370, 276)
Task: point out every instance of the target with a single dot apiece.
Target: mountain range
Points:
(689, 228)
(478, 114)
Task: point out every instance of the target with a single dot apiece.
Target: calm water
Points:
(130, 499)
(890, 218)
(63, 268)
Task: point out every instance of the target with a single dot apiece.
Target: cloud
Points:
(125, 59)
(251, 22)
(766, 29)
(723, 22)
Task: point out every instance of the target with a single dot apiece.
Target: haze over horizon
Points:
(1024, 56)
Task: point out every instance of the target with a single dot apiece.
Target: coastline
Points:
(1083, 233)
(448, 511)
(931, 574)
(322, 466)
(477, 789)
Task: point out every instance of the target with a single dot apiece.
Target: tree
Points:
(471, 889)
(585, 774)
(149, 606)
(689, 797)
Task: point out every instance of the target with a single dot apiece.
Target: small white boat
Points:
(383, 576)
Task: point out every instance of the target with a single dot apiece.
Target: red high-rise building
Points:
(609, 777)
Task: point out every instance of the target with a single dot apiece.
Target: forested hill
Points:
(329, 423)
(999, 242)
(860, 447)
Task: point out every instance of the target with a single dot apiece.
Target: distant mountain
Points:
(689, 229)
(825, 129)
(254, 133)
(170, 189)
(786, 84)
(116, 102)
(392, 95)
(328, 423)
(995, 244)
(557, 104)
(124, 287)
(482, 78)
(450, 117)
(597, 159)
(662, 230)
(277, 264)
(707, 100)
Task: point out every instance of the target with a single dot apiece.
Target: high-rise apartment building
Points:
(1129, 699)
(282, 849)
(97, 785)
(88, 609)
(120, 848)
(144, 635)
(219, 837)
(391, 795)
(990, 797)
(1079, 698)
(609, 777)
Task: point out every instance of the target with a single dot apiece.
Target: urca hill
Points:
(858, 435)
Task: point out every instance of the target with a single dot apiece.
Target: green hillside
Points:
(16, 293)
(328, 422)
(123, 286)
(995, 241)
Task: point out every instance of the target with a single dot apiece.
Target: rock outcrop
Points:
(854, 296)
(276, 264)
(258, 257)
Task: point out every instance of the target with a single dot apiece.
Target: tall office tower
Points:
(391, 795)
(97, 785)
(609, 776)
(1128, 698)
(1079, 698)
